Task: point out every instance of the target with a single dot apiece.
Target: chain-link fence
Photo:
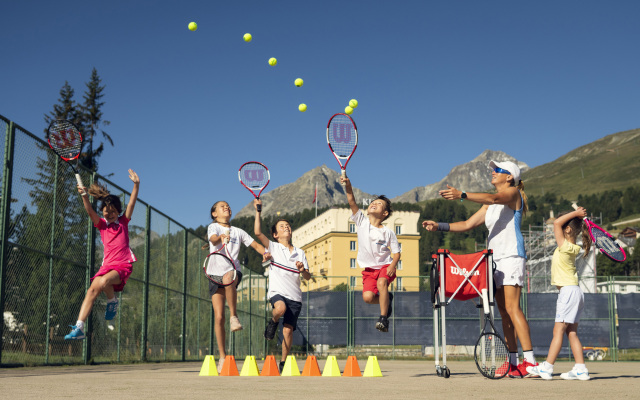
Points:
(50, 250)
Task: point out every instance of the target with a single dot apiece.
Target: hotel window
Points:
(352, 263)
(352, 228)
(352, 281)
(398, 229)
(352, 245)
(398, 284)
(399, 264)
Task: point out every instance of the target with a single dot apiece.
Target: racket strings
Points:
(493, 355)
(65, 139)
(607, 244)
(254, 175)
(342, 135)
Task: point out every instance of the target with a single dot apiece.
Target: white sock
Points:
(513, 358)
(114, 300)
(528, 355)
(580, 367)
(80, 325)
(547, 366)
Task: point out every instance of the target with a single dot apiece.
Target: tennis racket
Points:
(603, 240)
(491, 352)
(66, 141)
(219, 268)
(342, 137)
(255, 177)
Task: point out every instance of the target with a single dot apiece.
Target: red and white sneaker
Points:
(523, 368)
(517, 371)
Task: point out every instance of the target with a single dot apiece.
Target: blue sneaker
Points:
(539, 370)
(112, 310)
(75, 334)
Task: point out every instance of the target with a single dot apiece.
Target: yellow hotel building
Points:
(330, 243)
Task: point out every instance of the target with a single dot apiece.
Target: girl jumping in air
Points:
(118, 257)
(220, 232)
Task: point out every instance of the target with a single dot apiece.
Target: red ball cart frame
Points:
(459, 277)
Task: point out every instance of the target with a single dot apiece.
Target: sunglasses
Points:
(501, 171)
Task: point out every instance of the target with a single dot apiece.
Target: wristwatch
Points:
(463, 196)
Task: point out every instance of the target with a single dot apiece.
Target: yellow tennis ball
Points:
(348, 110)
(299, 82)
(247, 37)
(302, 107)
(273, 61)
(353, 103)
(193, 26)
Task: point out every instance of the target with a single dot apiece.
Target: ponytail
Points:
(525, 205)
(100, 192)
(586, 239)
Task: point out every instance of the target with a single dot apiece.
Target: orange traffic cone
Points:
(270, 368)
(352, 368)
(311, 367)
(229, 367)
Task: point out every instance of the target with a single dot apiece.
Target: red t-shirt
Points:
(115, 238)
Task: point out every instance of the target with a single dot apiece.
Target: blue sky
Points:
(437, 82)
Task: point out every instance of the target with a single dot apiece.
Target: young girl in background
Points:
(566, 229)
(118, 257)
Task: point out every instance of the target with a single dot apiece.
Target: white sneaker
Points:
(538, 370)
(220, 365)
(582, 375)
(235, 324)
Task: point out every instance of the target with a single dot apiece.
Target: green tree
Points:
(92, 122)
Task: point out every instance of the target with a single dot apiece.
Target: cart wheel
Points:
(446, 373)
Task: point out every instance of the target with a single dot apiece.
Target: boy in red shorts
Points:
(378, 253)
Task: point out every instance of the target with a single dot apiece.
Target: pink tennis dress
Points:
(117, 254)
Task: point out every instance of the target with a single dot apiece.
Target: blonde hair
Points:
(577, 225)
(525, 205)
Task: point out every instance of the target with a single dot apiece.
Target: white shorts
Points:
(510, 271)
(569, 305)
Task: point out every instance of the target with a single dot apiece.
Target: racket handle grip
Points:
(226, 240)
(574, 205)
(344, 175)
(485, 301)
(79, 180)
(259, 207)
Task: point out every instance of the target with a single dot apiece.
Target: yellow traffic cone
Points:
(208, 367)
(250, 367)
(290, 367)
(372, 369)
(331, 367)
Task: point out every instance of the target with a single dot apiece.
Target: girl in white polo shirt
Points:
(288, 263)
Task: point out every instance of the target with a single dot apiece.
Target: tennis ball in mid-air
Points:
(348, 110)
(299, 82)
(353, 103)
(193, 26)
(247, 37)
(273, 61)
(302, 107)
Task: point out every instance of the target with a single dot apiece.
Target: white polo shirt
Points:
(284, 278)
(375, 245)
(236, 237)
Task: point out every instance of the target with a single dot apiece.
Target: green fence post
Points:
(145, 287)
(91, 257)
(166, 292)
(185, 259)
(52, 236)
(5, 213)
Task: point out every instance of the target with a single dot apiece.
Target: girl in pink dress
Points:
(118, 257)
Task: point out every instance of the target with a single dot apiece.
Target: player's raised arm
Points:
(350, 197)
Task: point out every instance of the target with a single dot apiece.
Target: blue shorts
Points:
(291, 312)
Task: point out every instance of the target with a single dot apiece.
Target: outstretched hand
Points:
(430, 226)
(134, 177)
(450, 193)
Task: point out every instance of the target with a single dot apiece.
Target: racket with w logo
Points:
(342, 137)
(604, 241)
(66, 141)
(491, 352)
(255, 177)
(219, 268)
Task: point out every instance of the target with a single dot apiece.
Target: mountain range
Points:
(612, 162)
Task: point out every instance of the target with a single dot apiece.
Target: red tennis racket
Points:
(66, 141)
(219, 268)
(255, 177)
(604, 241)
(342, 137)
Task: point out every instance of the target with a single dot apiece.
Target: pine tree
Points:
(92, 122)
